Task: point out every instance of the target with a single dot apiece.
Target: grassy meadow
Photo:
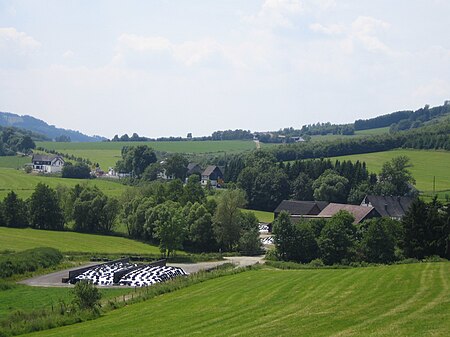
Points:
(23, 184)
(426, 165)
(26, 298)
(108, 153)
(400, 300)
(261, 215)
(19, 239)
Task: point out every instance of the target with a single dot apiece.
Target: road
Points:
(54, 279)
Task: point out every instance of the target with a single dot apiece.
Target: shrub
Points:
(86, 296)
(28, 260)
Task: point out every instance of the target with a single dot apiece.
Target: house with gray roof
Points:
(47, 163)
(298, 208)
(214, 175)
(393, 207)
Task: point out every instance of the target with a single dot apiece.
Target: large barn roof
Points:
(390, 206)
(359, 212)
(297, 207)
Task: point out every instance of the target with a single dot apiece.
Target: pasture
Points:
(15, 162)
(399, 300)
(426, 165)
(20, 239)
(108, 153)
(262, 216)
(27, 298)
(23, 184)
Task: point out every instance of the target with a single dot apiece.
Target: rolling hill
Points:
(39, 126)
(400, 300)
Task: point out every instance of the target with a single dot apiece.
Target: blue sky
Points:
(164, 68)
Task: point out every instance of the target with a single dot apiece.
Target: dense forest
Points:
(13, 140)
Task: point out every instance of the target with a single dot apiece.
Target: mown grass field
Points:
(15, 162)
(426, 165)
(28, 298)
(402, 300)
(261, 215)
(21, 239)
(23, 184)
(108, 153)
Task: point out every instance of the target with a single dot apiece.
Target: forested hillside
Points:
(39, 126)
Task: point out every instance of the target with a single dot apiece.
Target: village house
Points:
(212, 174)
(297, 208)
(393, 207)
(193, 168)
(47, 163)
(360, 213)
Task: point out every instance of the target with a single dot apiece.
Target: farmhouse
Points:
(298, 208)
(214, 175)
(360, 213)
(388, 206)
(193, 168)
(47, 163)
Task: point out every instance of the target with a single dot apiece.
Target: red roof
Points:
(359, 212)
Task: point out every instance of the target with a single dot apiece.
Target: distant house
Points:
(388, 206)
(214, 175)
(193, 168)
(360, 213)
(47, 163)
(297, 208)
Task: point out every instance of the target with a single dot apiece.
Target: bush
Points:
(28, 260)
(86, 296)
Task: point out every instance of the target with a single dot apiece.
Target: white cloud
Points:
(142, 43)
(19, 42)
(276, 13)
(68, 54)
(333, 29)
(188, 53)
(364, 29)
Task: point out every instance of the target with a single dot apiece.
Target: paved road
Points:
(54, 279)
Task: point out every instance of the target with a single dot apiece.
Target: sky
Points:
(166, 68)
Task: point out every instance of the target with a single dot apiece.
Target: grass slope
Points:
(15, 162)
(27, 298)
(107, 153)
(426, 165)
(403, 300)
(20, 239)
(23, 184)
(261, 215)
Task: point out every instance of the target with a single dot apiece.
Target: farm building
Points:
(47, 163)
(193, 168)
(298, 208)
(360, 213)
(214, 175)
(388, 206)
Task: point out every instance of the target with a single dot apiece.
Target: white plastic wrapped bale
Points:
(264, 229)
(149, 275)
(267, 240)
(103, 275)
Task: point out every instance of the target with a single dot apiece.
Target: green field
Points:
(261, 215)
(23, 184)
(402, 300)
(108, 153)
(15, 162)
(377, 131)
(27, 298)
(426, 165)
(21, 239)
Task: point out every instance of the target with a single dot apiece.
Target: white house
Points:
(47, 163)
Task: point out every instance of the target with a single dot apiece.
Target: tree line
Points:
(171, 215)
(13, 140)
(423, 232)
(267, 182)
